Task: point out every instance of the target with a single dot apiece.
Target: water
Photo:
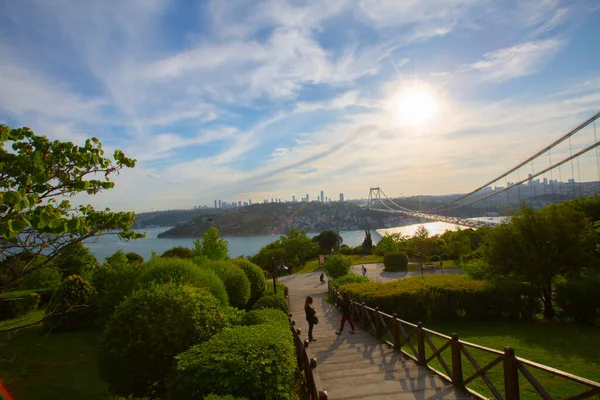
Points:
(105, 246)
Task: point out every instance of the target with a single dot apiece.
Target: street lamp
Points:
(277, 266)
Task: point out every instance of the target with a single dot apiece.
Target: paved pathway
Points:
(376, 273)
(358, 366)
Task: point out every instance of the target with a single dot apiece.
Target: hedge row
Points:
(395, 261)
(348, 279)
(15, 304)
(579, 300)
(448, 297)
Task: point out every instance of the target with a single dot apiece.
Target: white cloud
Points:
(155, 176)
(520, 60)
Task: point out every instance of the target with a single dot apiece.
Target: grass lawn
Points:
(313, 265)
(570, 348)
(36, 366)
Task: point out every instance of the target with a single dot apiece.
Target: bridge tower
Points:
(374, 196)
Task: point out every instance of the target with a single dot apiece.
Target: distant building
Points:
(322, 197)
(293, 198)
(220, 204)
(307, 198)
(215, 204)
(342, 197)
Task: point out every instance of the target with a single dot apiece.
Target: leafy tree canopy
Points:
(36, 178)
(327, 240)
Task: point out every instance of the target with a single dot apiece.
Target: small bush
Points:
(272, 301)
(256, 277)
(113, 283)
(15, 304)
(579, 300)
(75, 259)
(476, 269)
(235, 316)
(134, 258)
(347, 279)
(47, 277)
(183, 272)
(68, 308)
(395, 261)
(336, 266)
(179, 251)
(269, 291)
(148, 329)
(266, 353)
(236, 283)
(268, 316)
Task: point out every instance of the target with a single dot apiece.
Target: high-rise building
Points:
(307, 198)
(220, 204)
(293, 198)
(342, 197)
(250, 201)
(215, 204)
(322, 197)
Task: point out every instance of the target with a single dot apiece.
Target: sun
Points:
(416, 107)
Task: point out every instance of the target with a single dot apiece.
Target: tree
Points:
(298, 247)
(539, 246)
(212, 247)
(327, 241)
(75, 259)
(367, 244)
(337, 265)
(388, 243)
(36, 175)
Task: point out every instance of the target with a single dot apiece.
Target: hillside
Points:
(277, 218)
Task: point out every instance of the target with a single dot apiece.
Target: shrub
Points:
(148, 329)
(234, 316)
(266, 353)
(579, 299)
(395, 261)
(236, 283)
(47, 277)
(268, 316)
(113, 283)
(134, 258)
(183, 272)
(68, 308)
(179, 251)
(442, 297)
(476, 269)
(336, 266)
(15, 304)
(272, 301)
(75, 259)
(347, 279)
(269, 291)
(256, 277)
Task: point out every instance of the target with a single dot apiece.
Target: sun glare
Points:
(416, 107)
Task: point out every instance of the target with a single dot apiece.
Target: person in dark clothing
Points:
(346, 313)
(310, 317)
(322, 278)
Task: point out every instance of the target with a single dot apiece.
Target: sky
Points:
(238, 100)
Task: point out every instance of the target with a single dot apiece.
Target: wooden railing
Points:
(415, 342)
(306, 361)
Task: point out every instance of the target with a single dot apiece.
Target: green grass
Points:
(313, 265)
(570, 348)
(37, 366)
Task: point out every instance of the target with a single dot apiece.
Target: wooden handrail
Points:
(374, 321)
(306, 361)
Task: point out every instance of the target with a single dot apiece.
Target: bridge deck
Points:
(359, 366)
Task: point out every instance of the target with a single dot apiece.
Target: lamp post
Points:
(277, 266)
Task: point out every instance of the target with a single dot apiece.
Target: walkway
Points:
(376, 273)
(358, 366)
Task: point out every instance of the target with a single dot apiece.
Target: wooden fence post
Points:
(363, 316)
(395, 332)
(421, 344)
(457, 371)
(511, 375)
(377, 323)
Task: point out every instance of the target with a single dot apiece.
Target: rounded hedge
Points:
(255, 275)
(236, 283)
(256, 362)
(148, 329)
(183, 272)
(179, 252)
(281, 288)
(68, 308)
(348, 279)
(272, 301)
(268, 316)
(336, 266)
(134, 258)
(395, 261)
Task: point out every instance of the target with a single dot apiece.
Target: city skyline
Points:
(259, 99)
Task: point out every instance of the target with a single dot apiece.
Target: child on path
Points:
(310, 317)
(364, 271)
(346, 313)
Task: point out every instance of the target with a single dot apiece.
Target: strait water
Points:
(106, 245)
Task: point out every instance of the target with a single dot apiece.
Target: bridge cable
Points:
(539, 153)
(597, 157)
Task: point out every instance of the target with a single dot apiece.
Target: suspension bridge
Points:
(567, 168)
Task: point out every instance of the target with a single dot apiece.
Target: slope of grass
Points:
(313, 265)
(37, 366)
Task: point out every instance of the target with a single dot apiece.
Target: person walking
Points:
(311, 317)
(346, 313)
(322, 278)
(364, 271)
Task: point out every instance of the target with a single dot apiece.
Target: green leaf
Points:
(12, 198)
(17, 226)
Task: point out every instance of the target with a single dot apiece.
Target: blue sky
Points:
(253, 99)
